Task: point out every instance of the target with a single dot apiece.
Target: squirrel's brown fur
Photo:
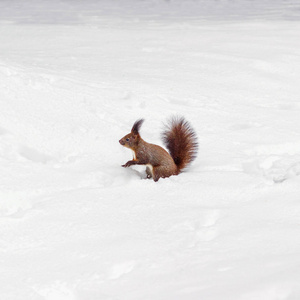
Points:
(179, 138)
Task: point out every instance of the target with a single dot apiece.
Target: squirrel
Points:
(180, 140)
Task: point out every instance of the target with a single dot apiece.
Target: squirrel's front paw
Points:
(128, 164)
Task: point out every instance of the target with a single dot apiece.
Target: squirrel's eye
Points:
(127, 139)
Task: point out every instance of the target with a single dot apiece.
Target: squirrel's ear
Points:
(136, 126)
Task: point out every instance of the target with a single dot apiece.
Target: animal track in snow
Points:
(276, 149)
(275, 168)
(275, 162)
(55, 291)
(205, 229)
(283, 169)
(14, 203)
(10, 148)
(120, 269)
(211, 218)
(34, 155)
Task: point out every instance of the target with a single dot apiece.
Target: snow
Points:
(75, 75)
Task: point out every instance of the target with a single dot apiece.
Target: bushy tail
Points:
(181, 141)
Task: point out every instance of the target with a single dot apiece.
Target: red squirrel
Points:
(180, 140)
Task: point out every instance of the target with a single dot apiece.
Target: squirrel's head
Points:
(132, 139)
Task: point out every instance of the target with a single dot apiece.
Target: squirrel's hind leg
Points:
(162, 172)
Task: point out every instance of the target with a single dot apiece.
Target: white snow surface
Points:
(75, 75)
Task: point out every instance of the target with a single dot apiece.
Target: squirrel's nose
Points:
(121, 142)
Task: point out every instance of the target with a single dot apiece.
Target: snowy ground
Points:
(75, 75)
